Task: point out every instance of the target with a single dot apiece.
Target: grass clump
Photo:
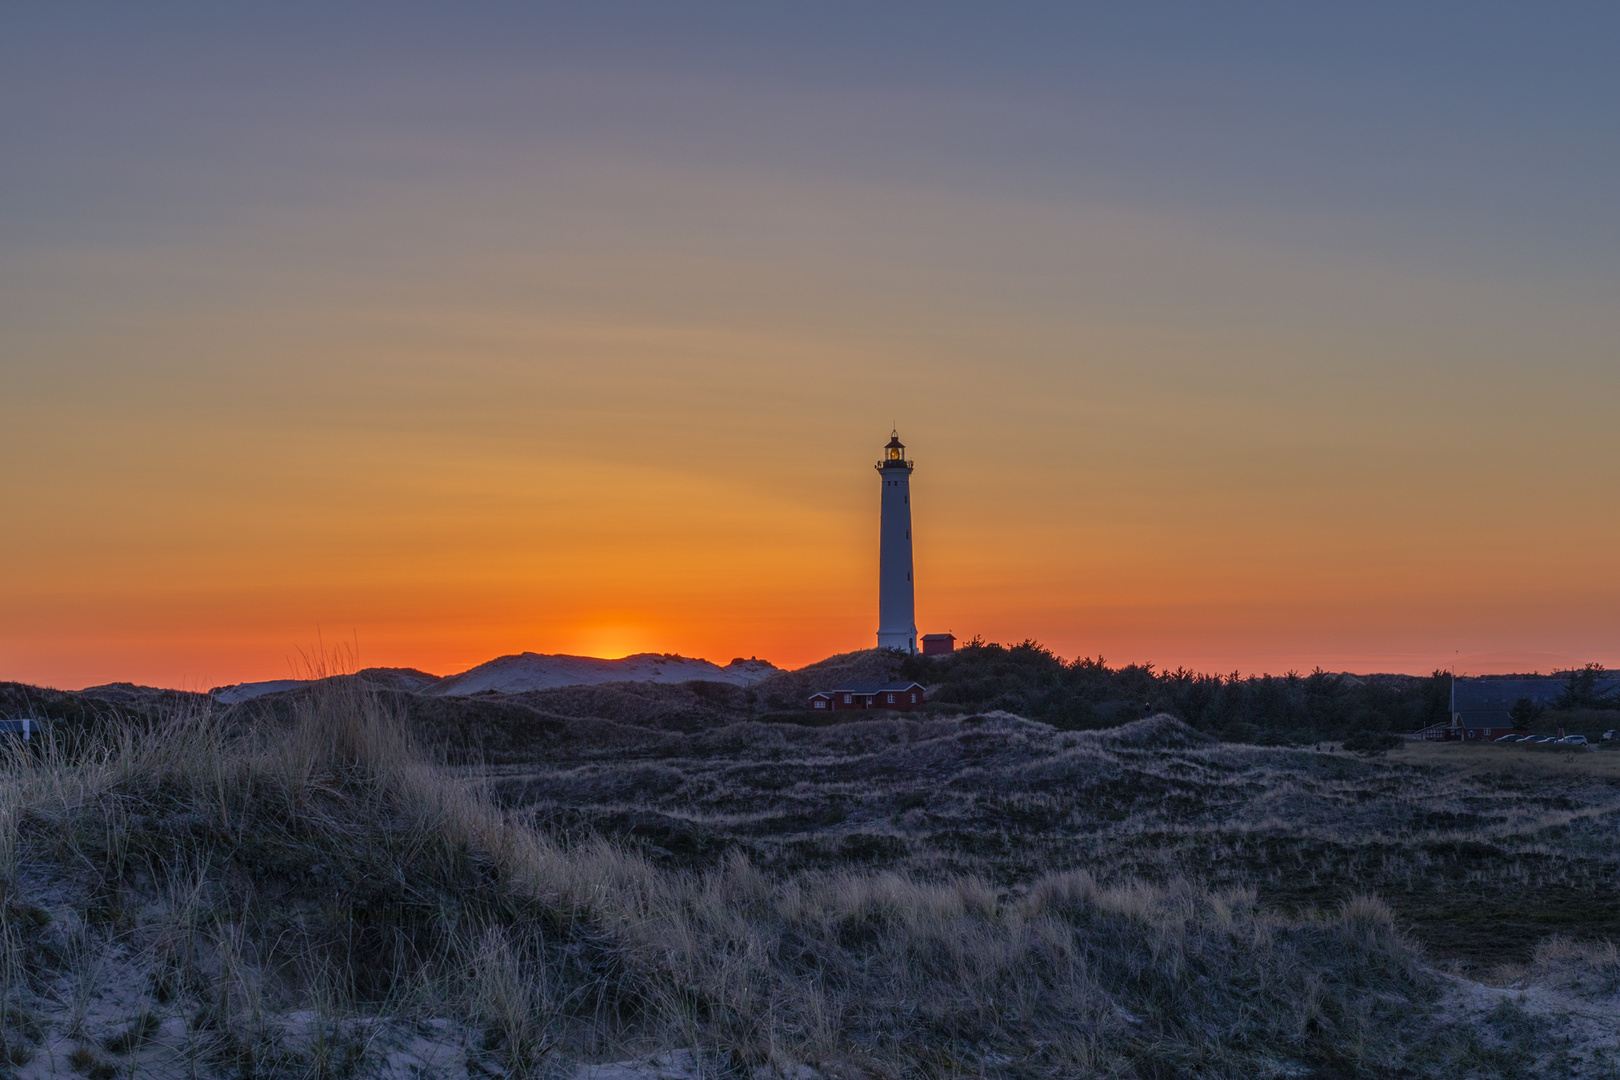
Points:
(84, 1060)
(1588, 970)
(134, 1036)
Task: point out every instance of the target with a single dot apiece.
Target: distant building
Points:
(937, 644)
(903, 696)
(1481, 708)
(1454, 733)
(1485, 703)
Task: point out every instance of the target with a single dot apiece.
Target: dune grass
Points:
(262, 897)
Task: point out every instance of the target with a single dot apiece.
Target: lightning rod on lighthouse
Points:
(897, 604)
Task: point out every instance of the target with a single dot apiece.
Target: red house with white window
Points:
(903, 696)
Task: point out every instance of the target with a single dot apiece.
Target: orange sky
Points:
(462, 383)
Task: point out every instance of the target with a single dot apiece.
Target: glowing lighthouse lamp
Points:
(897, 602)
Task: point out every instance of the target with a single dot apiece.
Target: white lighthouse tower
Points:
(897, 602)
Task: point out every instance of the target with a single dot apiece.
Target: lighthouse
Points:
(897, 604)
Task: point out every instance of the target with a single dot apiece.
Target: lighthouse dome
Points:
(894, 454)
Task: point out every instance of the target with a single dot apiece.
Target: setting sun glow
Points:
(462, 337)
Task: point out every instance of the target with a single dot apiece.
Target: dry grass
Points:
(1583, 968)
(328, 870)
(1547, 761)
(1481, 852)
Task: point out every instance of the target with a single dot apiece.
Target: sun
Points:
(612, 641)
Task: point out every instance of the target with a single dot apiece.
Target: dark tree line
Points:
(1031, 680)
(1589, 687)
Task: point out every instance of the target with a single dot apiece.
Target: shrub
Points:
(1372, 742)
(1524, 713)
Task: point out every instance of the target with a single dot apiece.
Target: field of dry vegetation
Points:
(353, 881)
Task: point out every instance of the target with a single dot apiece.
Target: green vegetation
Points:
(1268, 710)
(1524, 713)
(1582, 690)
(1028, 679)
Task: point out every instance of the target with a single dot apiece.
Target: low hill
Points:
(410, 680)
(540, 671)
(111, 699)
(528, 671)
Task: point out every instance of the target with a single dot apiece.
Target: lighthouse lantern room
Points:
(897, 609)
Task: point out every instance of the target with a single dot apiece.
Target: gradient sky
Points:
(1231, 336)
